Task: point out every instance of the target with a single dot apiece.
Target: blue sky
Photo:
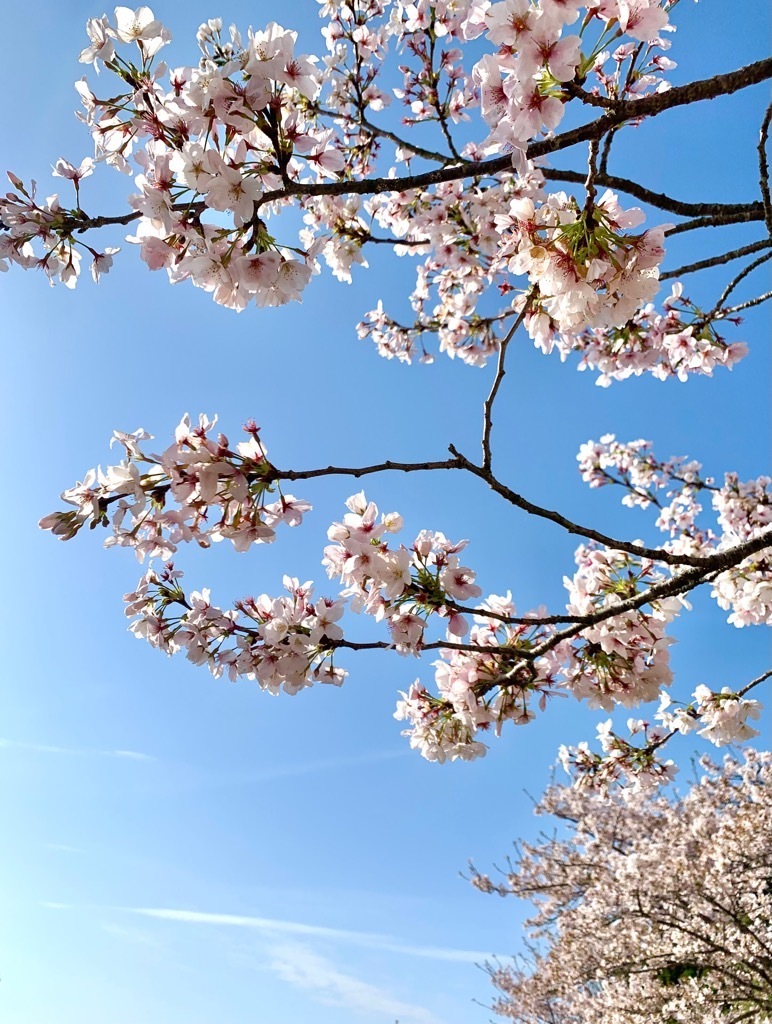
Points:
(178, 849)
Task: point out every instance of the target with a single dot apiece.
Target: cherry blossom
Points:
(645, 908)
(435, 129)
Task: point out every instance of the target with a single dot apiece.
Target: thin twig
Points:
(589, 184)
(438, 106)
(753, 213)
(754, 682)
(606, 151)
(640, 550)
(740, 277)
(745, 305)
(715, 261)
(374, 129)
(764, 169)
(500, 372)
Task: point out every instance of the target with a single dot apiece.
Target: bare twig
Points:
(715, 261)
(754, 682)
(500, 371)
(357, 471)
(740, 277)
(606, 151)
(744, 305)
(755, 211)
(704, 562)
(589, 184)
(764, 169)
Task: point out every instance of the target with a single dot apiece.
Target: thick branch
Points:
(703, 89)
(622, 111)
(658, 199)
(680, 583)
(640, 550)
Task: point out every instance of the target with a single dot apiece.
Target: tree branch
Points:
(500, 372)
(754, 682)
(703, 89)
(764, 169)
(658, 199)
(357, 471)
(680, 583)
(740, 277)
(706, 562)
(754, 212)
(715, 261)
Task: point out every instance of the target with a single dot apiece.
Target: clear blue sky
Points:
(179, 850)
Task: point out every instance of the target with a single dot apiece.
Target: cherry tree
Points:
(617, 936)
(251, 131)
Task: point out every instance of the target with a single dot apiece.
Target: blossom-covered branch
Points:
(612, 649)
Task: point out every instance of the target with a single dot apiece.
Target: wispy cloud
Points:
(288, 771)
(46, 748)
(306, 969)
(274, 926)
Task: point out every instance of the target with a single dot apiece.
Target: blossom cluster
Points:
(624, 659)
(744, 511)
(588, 271)
(284, 643)
(638, 768)
(221, 494)
(673, 892)
(210, 142)
(493, 667)
(723, 716)
(680, 341)
(223, 147)
(521, 86)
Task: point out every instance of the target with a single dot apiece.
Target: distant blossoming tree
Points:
(222, 147)
(647, 911)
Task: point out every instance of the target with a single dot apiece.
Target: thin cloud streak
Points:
(289, 771)
(370, 940)
(305, 969)
(46, 748)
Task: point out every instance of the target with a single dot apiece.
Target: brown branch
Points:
(680, 583)
(764, 169)
(715, 261)
(745, 305)
(658, 199)
(427, 154)
(740, 277)
(754, 212)
(500, 372)
(704, 562)
(703, 89)
(754, 682)
(357, 471)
